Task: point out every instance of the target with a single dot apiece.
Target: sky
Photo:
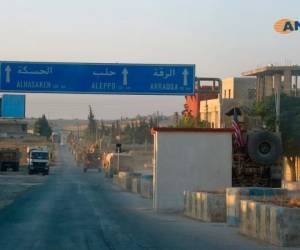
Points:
(221, 37)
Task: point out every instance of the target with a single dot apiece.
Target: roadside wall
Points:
(189, 159)
(270, 222)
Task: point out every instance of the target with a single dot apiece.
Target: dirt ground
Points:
(13, 184)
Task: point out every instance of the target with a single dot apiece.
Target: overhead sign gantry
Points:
(92, 78)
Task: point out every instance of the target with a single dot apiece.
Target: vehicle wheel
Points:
(46, 173)
(264, 147)
(30, 172)
(16, 168)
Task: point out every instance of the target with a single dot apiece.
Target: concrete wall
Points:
(125, 180)
(189, 159)
(268, 222)
(242, 85)
(136, 184)
(236, 194)
(116, 179)
(238, 87)
(147, 186)
(291, 185)
(205, 206)
(293, 189)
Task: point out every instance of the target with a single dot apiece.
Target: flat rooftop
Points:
(271, 70)
(7, 121)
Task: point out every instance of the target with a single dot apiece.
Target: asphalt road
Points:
(76, 210)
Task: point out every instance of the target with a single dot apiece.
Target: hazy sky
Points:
(222, 37)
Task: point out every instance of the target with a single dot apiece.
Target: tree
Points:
(176, 119)
(151, 122)
(289, 125)
(91, 130)
(127, 135)
(102, 129)
(42, 127)
(190, 122)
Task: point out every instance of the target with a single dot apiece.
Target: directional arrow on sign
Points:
(125, 74)
(7, 71)
(185, 74)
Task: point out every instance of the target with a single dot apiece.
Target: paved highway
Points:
(76, 210)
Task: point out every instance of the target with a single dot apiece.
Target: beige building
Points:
(271, 79)
(236, 92)
(12, 127)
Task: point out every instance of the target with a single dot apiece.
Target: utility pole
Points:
(78, 131)
(206, 113)
(146, 143)
(96, 131)
(277, 83)
(120, 129)
(118, 158)
(296, 85)
(176, 116)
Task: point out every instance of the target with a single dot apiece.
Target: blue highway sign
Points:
(90, 78)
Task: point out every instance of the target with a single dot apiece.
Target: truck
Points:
(38, 160)
(9, 159)
(92, 158)
(91, 161)
(258, 163)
